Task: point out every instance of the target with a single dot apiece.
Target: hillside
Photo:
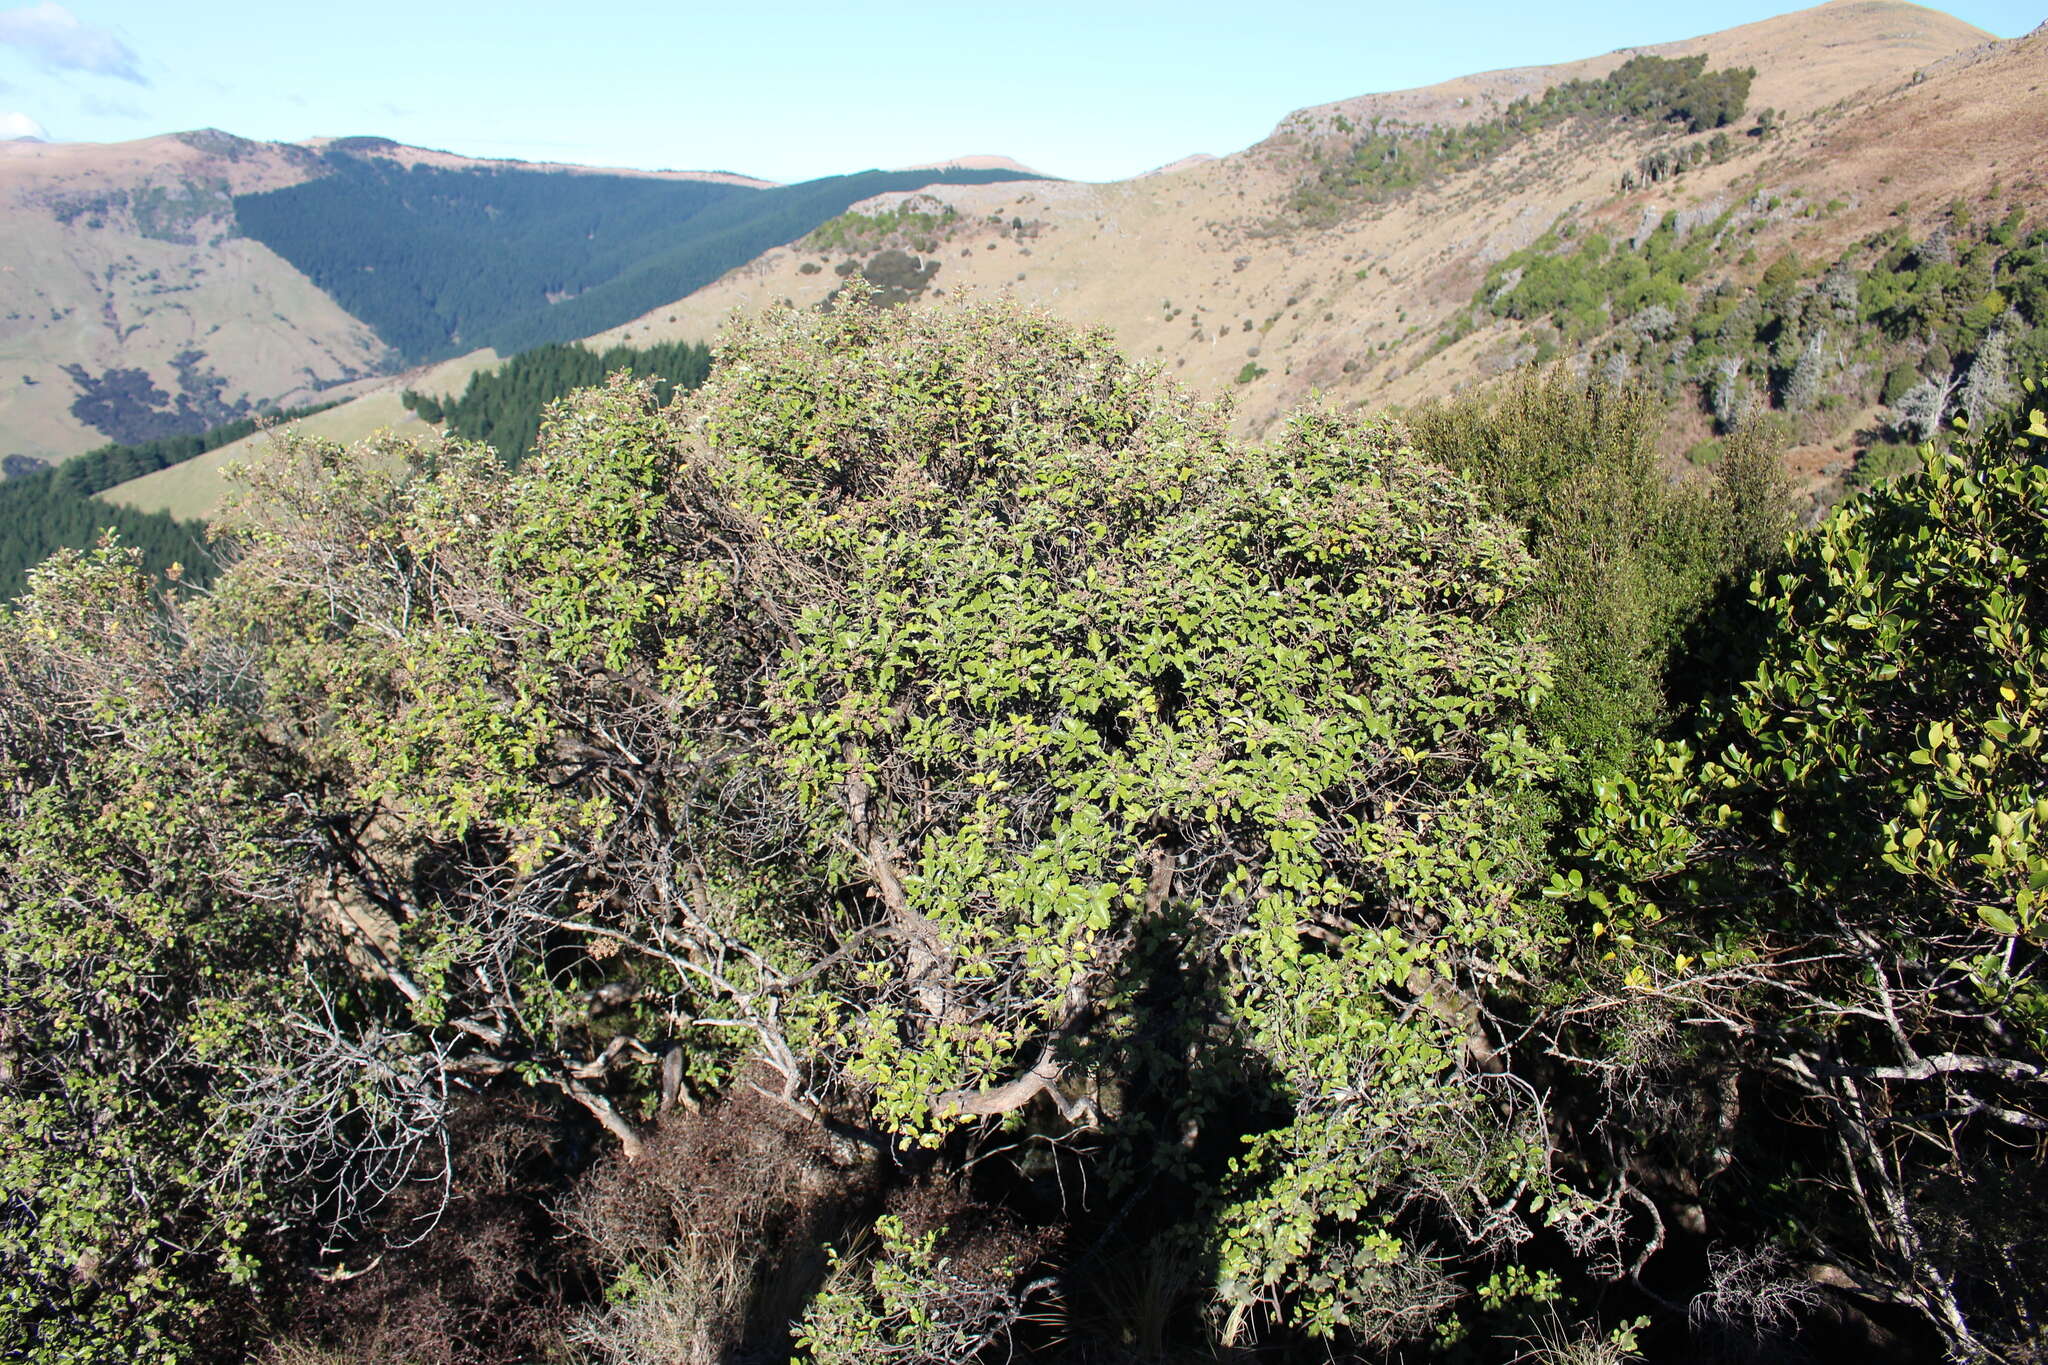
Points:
(169, 285)
(128, 288)
(192, 490)
(1236, 276)
(441, 259)
(1249, 275)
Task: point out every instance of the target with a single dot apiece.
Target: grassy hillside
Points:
(193, 488)
(131, 307)
(1360, 252)
(479, 397)
(143, 298)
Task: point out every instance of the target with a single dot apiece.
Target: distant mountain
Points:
(977, 163)
(170, 285)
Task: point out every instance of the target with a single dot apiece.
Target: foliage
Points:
(895, 277)
(44, 511)
(105, 466)
(1035, 668)
(40, 514)
(1846, 862)
(933, 761)
(125, 403)
(859, 233)
(1630, 562)
(440, 261)
(1584, 283)
(143, 926)
(50, 509)
(1927, 328)
(905, 1302)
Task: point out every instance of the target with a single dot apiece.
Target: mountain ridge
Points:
(1204, 271)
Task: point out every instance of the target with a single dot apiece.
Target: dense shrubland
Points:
(927, 847)
(1630, 564)
(917, 222)
(1927, 327)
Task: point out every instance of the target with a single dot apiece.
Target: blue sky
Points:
(785, 90)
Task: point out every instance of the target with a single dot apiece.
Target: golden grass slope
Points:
(124, 256)
(1201, 269)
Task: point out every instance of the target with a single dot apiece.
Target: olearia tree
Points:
(146, 935)
(940, 724)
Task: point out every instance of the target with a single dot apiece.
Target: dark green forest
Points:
(503, 408)
(40, 515)
(54, 508)
(927, 849)
(441, 261)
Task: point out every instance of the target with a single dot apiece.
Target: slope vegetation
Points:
(131, 307)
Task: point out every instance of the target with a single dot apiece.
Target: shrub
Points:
(143, 877)
(1840, 875)
(902, 704)
(1628, 560)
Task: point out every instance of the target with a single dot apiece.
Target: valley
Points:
(169, 285)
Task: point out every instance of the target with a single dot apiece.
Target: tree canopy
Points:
(927, 847)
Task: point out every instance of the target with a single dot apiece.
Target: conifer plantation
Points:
(925, 848)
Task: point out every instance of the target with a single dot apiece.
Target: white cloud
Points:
(59, 41)
(20, 125)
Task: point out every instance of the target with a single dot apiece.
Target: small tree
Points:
(1988, 387)
(1920, 410)
(1805, 385)
(1628, 561)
